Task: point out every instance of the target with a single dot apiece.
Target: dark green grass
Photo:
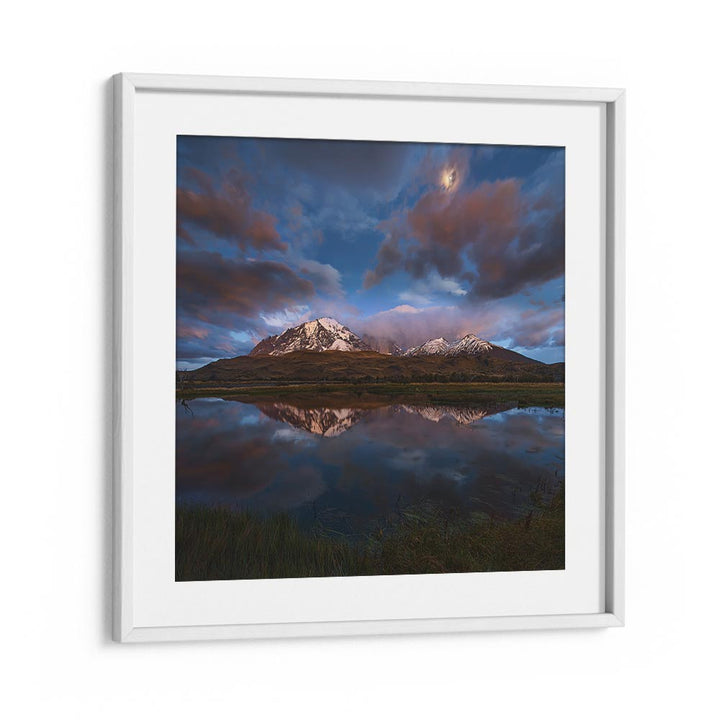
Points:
(222, 544)
(379, 394)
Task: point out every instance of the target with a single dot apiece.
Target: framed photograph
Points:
(369, 358)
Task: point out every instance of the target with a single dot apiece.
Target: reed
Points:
(225, 544)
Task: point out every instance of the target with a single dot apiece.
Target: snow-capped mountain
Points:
(327, 334)
(438, 346)
(469, 345)
(317, 335)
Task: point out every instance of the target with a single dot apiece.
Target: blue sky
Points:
(400, 241)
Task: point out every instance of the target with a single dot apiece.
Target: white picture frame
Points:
(130, 588)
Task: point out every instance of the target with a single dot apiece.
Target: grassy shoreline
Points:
(524, 394)
(223, 544)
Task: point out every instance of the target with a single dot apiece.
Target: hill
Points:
(369, 367)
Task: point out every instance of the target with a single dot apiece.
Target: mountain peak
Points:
(468, 345)
(330, 323)
(316, 335)
(437, 346)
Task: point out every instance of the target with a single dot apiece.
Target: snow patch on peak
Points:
(330, 324)
(342, 345)
(438, 346)
(470, 345)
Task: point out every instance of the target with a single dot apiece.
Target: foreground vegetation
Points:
(378, 394)
(222, 544)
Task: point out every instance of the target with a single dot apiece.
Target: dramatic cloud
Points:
(286, 318)
(494, 236)
(212, 288)
(533, 328)
(226, 212)
(410, 326)
(423, 291)
(399, 241)
(324, 277)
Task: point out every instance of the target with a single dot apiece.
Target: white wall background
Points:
(54, 193)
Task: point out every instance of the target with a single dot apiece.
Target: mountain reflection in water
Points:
(352, 467)
(330, 422)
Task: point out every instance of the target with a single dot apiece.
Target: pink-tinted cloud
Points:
(227, 212)
(324, 277)
(410, 326)
(190, 331)
(215, 289)
(510, 240)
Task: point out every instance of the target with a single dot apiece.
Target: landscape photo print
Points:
(370, 349)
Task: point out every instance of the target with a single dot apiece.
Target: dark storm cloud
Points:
(226, 211)
(510, 239)
(215, 289)
(536, 255)
(371, 166)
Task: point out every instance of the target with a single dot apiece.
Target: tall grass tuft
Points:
(223, 544)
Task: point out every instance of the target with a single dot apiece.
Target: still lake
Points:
(349, 469)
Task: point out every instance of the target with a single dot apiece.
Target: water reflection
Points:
(328, 422)
(352, 467)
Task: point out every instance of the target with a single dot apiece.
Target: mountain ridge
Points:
(327, 334)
